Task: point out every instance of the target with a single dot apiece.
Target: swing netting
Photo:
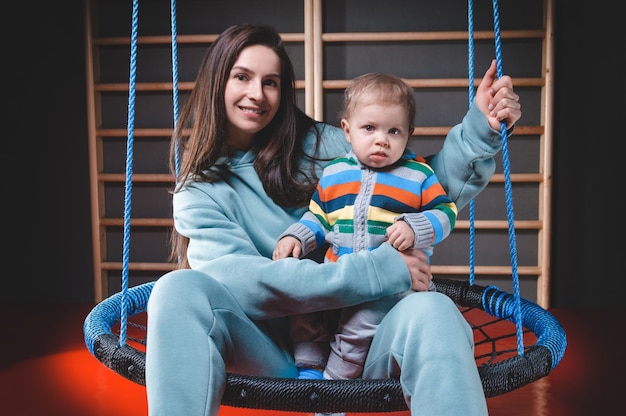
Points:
(516, 341)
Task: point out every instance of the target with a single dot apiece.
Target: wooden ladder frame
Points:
(315, 86)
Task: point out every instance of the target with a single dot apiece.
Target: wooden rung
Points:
(138, 222)
(167, 178)
(331, 84)
(519, 177)
(419, 131)
(436, 270)
(143, 86)
(528, 130)
(485, 270)
(427, 36)
(137, 177)
(162, 86)
(342, 84)
(139, 266)
(460, 224)
(332, 37)
(161, 132)
(499, 225)
(180, 39)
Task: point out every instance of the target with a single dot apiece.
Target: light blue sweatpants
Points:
(197, 332)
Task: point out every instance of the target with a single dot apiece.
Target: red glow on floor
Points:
(45, 369)
(75, 383)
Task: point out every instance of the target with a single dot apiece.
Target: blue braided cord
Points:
(175, 86)
(507, 187)
(106, 313)
(129, 168)
(470, 50)
(175, 75)
(470, 69)
(545, 326)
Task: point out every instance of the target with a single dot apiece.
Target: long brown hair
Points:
(199, 138)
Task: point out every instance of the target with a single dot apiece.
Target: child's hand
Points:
(287, 246)
(400, 235)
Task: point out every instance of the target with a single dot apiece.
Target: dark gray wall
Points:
(47, 231)
(589, 111)
(46, 199)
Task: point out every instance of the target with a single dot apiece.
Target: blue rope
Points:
(129, 170)
(129, 150)
(470, 69)
(175, 74)
(505, 156)
(508, 191)
(175, 87)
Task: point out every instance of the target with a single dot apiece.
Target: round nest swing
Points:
(502, 367)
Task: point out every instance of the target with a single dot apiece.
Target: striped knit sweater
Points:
(353, 205)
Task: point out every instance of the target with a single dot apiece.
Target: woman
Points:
(250, 160)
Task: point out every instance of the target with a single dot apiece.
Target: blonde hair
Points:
(381, 88)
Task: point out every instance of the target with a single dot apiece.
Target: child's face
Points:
(378, 133)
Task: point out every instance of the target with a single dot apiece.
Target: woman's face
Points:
(252, 94)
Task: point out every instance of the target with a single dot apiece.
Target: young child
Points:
(380, 192)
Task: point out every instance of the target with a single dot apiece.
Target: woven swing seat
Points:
(377, 395)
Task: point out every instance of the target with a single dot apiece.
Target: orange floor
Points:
(46, 370)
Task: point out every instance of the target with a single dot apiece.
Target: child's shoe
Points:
(309, 374)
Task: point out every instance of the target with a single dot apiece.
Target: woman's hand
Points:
(497, 100)
(419, 268)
